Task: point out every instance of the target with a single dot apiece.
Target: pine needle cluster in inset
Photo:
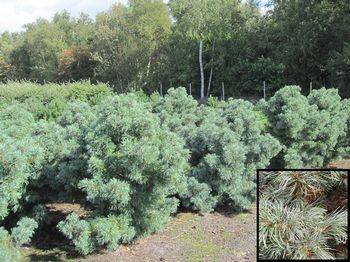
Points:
(302, 214)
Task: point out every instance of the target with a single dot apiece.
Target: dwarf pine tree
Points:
(20, 162)
(295, 218)
(309, 128)
(227, 144)
(134, 169)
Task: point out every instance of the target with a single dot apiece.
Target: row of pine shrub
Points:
(132, 160)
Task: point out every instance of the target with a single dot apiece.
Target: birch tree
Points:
(205, 22)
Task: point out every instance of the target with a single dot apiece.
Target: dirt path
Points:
(341, 164)
(191, 237)
(188, 237)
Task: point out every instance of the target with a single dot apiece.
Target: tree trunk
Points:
(161, 88)
(211, 69)
(201, 68)
(148, 66)
(310, 87)
(211, 74)
(147, 71)
(223, 90)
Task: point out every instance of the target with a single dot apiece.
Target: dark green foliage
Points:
(294, 222)
(142, 43)
(310, 38)
(250, 75)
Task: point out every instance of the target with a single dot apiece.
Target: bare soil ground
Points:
(188, 237)
(345, 164)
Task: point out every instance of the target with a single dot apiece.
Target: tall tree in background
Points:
(200, 42)
(230, 33)
(8, 44)
(307, 36)
(129, 40)
(206, 22)
(45, 42)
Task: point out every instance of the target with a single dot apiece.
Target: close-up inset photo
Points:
(303, 214)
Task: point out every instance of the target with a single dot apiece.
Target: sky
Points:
(16, 13)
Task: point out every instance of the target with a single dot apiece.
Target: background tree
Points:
(129, 41)
(45, 42)
(146, 43)
(307, 36)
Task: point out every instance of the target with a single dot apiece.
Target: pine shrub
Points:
(134, 168)
(23, 232)
(20, 235)
(130, 160)
(88, 235)
(8, 251)
(309, 128)
(131, 154)
(227, 143)
(19, 164)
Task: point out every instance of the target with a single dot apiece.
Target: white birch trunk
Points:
(161, 88)
(211, 69)
(201, 68)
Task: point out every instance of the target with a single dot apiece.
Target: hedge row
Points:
(132, 160)
(49, 101)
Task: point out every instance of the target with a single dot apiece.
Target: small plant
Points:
(295, 218)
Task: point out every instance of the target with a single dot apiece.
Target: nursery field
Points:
(92, 170)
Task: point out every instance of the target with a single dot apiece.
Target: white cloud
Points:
(16, 13)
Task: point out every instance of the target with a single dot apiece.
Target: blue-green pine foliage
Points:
(227, 143)
(309, 128)
(130, 160)
(9, 252)
(294, 222)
